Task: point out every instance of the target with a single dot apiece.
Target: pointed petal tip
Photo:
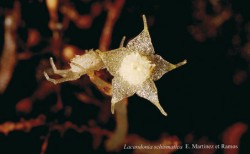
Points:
(184, 61)
(46, 75)
(158, 105)
(144, 22)
(48, 78)
(143, 16)
(162, 111)
(181, 63)
(112, 108)
(122, 41)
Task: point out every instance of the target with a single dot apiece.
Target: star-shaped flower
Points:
(135, 67)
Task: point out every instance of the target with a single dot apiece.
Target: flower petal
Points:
(163, 66)
(121, 90)
(88, 62)
(142, 42)
(112, 59)
(148, 91)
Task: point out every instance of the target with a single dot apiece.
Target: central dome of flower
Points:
(135, 68)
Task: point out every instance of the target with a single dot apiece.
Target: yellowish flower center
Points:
(135, 69)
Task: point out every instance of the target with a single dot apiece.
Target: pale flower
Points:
(79, 65)
(135, 67)
(90, 61)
